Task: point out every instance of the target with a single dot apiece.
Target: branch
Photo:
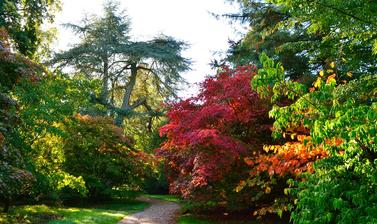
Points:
(347, 14)
(129, 87)
(120, 61)
(122, 70)
(138, 102)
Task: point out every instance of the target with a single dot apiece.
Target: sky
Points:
(186, 20)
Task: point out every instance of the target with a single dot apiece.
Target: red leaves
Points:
(209, 134)
(219, 135)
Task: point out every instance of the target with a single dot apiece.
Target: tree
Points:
(23, 21)
(46, 107)
(337, 109)
(341, 118)
(265, 35)
(94, 149)
(273, 173)
(307, 37)
(14, 177)
(106, 51)
(209, 135)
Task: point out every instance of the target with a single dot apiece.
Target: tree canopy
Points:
(107, 52)
(23, 21)
(285, 129)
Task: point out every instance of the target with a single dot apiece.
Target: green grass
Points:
(166, 197)
(192, 219)
(189, 219)
(106, 213)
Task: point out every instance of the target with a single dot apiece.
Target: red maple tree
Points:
(209, 135)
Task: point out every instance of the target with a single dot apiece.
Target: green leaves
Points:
(342, 119)
(23, 21)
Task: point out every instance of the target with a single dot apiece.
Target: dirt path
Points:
(159, 212)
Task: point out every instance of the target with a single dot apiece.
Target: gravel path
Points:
(159, 212)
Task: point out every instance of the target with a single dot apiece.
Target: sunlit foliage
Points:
(209, 135)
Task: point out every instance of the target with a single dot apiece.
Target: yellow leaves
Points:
(349, 74)
(240, 186)
(331, 79)
(267, 190)
(317, 83)
(267, 210)
(332, 64)
(270, 148)
(328, 71)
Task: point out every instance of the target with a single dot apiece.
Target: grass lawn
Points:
(215, 219)
(166, 197)
(105, 213)
(192, 219)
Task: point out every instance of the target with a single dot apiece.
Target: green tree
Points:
(14, 177)
(23, 21)
(307, 36)
(341, 117)
(46, 106)
(264, 35)
(95, 149)
(106, 51)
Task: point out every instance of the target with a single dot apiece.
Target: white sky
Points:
(187, 20)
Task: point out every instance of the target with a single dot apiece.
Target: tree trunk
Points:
(127, 96)
(6, 205)
(105, 81)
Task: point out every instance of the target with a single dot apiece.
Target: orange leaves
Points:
(240, 186)
(331, 79)
(301, 138)
(276, 165)
(334, 142)
(292, 158)
(248, 161)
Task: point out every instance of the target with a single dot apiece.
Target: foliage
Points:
(264, 35)
(23, 21)
(338, 110)
(97, 150)
(208, 136)
(45, 108)
(272, 174)
(307, 37)
(341, 118)
(106, 51)
(14, 178)
(144, 125)
(45, 152)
